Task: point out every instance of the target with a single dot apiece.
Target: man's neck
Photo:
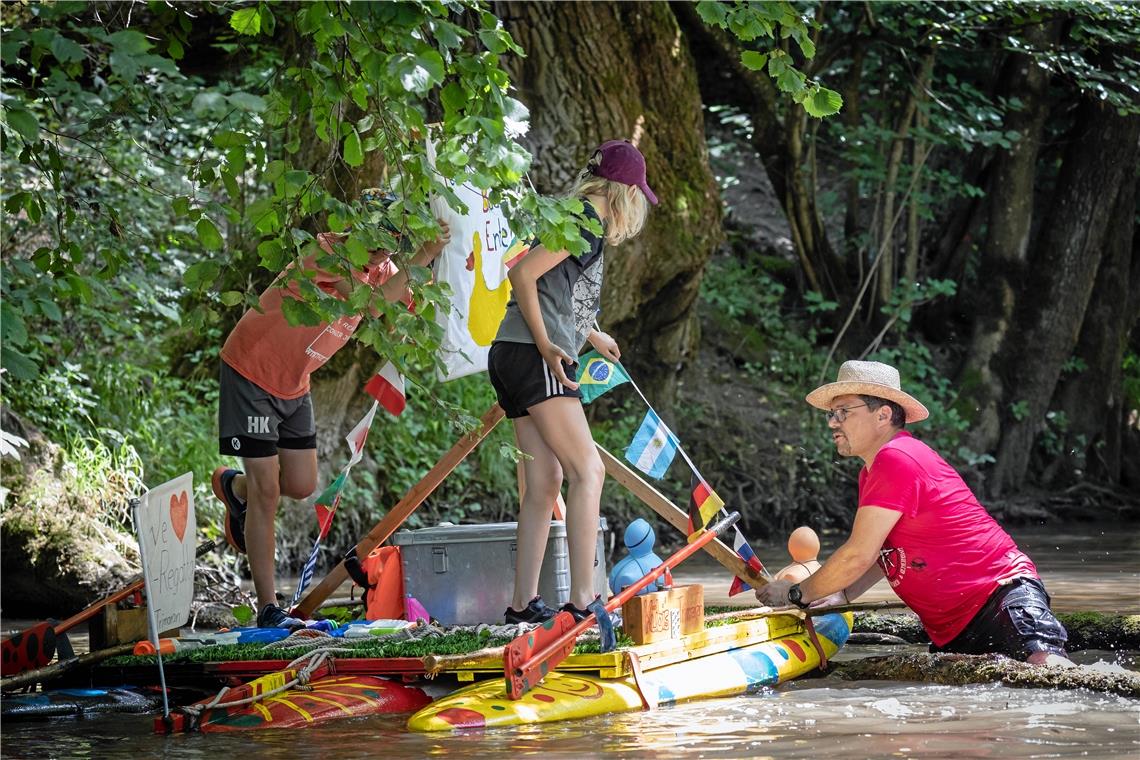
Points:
(883, 440)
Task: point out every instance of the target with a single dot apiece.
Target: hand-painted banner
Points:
(475, 265)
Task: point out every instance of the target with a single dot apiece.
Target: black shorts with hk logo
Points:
(522, 379)
(253, 423)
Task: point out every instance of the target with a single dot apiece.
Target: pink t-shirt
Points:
(278, 357)
(945, 555)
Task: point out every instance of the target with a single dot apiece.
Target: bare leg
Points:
(543, 477)
(291, 473)
(562, 424)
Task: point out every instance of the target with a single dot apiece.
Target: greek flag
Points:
(653, 447)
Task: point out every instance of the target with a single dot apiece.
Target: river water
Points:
(1092, 568)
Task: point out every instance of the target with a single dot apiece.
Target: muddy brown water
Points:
(1088, 568)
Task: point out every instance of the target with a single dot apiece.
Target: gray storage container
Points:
(465, 574)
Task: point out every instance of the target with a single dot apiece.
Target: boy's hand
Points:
(431, 249)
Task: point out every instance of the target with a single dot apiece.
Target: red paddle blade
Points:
(521, 669)
(27, 650)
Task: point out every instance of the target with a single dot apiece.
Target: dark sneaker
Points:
(272, 616)
(536, 611)
(579, 615)
(223, 481)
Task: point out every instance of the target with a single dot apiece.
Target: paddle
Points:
(534, 654)
(35, 646)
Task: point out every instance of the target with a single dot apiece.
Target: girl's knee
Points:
(299, 488)
(589, 473)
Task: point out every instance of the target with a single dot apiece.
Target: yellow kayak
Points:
(564, 695)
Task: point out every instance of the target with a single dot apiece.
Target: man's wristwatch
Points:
(796, 596)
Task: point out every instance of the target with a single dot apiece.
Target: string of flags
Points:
(387, 388)
(653, 449)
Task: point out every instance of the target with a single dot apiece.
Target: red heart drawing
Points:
(179, 509)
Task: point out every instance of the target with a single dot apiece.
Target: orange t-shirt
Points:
(278, 357)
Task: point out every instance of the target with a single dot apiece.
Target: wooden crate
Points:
(664, 615)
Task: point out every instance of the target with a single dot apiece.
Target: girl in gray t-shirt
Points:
(549, 319)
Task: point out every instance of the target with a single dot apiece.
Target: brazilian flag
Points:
(597, 374)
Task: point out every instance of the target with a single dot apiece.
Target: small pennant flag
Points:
(653, 447)
(703, 505)
(387, 387)
(741, 547)
(597, 375)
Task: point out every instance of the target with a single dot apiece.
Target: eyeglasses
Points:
(840, 414)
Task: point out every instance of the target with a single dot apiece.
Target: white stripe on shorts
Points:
(551, 381)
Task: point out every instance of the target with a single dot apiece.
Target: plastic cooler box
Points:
(465, 574)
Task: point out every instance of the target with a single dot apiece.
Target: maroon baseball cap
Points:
(622, 162)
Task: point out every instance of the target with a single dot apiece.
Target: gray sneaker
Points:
(272, 616)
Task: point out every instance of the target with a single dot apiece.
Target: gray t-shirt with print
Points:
(568, 298)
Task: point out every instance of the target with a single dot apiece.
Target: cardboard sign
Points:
(664, 615)
(475, 264)
(165, 523)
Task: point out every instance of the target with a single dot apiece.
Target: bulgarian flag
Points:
(387, 387)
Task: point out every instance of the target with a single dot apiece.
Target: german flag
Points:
(703, 505)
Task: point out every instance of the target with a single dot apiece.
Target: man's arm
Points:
(850, 566)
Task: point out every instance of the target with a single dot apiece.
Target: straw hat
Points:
(868, 379)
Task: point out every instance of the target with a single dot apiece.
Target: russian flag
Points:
(741, 547)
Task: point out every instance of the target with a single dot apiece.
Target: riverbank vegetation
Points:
(949, 187)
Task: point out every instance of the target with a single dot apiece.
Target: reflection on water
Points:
(820, 718)
(817, 718)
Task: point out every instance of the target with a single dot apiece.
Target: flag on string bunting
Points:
(329, 499)
(387, 387)
(653, 447)
(703, 504)
(741, 547)
(597, 375)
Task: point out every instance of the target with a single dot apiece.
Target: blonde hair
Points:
(627, 210)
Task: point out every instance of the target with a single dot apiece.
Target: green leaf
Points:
(754, 60)
(247, 101)
(272, 255)
(713, 12)
(50, 309)
(25, 124)
(243, 614)
(246, 21)
(19, 366)
(201, 275)
(65, 49)
(358, 253)
(208, 234)
(353, 153)
(208, 102)
(453, 98)
(417, 73)
(12, 327)
(129, 42)
(300, 313)
(823, 102)
(231, 297)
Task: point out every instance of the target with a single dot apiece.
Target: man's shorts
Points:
(252, 423)
(1015, 621)
(522, 378)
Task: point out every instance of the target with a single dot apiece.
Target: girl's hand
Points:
(558, 360)
(605, 345)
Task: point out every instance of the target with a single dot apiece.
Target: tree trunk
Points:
(1100, 155)
(1092, 398)
(1010, 196)
(581, 86)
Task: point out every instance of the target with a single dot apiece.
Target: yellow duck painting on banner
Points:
(487, 305)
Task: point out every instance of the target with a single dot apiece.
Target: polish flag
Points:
(387, 387)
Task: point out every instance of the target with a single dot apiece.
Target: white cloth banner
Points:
(475, 265)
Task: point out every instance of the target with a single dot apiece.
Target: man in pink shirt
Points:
(919, 525)
(265, 413)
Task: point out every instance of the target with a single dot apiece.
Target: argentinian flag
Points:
(653, 447)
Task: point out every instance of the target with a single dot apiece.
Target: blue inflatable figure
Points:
(639, 540)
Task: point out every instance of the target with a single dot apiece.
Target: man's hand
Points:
(774, 594)
(831, 600)
(558, 360)
(605, 345)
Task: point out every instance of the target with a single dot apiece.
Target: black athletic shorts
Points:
(522, 379)
(1015, 621)
(253, 423)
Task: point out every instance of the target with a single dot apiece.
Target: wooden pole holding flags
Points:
(403, 509)
(677, 517)
(534, 654)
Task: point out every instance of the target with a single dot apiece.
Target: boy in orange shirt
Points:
(265, 411)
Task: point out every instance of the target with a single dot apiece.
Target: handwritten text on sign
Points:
(165, 523)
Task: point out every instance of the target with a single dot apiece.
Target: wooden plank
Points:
(667, 614)
(676, 517)
(415, 496)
